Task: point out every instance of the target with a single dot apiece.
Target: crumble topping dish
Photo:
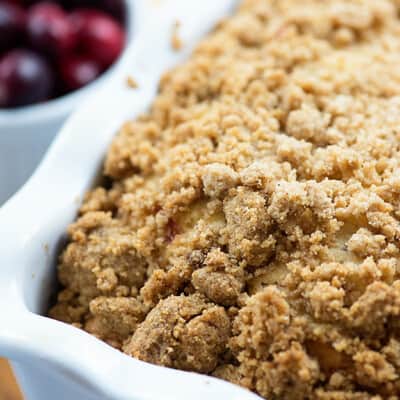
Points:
(251, 228)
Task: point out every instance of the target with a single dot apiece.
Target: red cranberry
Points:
(100, 36)
(12, 24)
(77, 72)
(114, 7)
(25, 78)
(49, 29)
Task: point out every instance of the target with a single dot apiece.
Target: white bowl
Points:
(26, 132)
(55, 360)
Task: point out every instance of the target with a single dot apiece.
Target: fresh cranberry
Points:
(25, 78)
(86, 35)
(114, 7)
(12, 24)
(100, 36)
(77, 72)
(50, 30)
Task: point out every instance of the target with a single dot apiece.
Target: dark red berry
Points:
(50, 30)
(77, 72)
(25, 78)
(114, 7)
(79, 18)
(12, 24)
(101, 37)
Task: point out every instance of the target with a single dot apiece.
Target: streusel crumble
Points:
(252, 228)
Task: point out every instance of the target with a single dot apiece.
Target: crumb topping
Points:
(251, 230)
(176, 41)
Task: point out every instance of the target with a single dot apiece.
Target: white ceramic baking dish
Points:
(53, 360)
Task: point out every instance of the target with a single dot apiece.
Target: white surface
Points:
(26, 133)
(52, 359)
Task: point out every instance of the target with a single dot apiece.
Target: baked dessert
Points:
(251, 227)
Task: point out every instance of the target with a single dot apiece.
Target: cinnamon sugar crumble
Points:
(176, 41)
(131, 82)
(252, 228)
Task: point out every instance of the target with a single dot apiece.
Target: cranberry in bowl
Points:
(52, 54)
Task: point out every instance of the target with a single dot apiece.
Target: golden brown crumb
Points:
(132, 83)
(252, 227)
(192, 332)
(176, 41)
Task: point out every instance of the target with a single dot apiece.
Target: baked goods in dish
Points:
(251, 229)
